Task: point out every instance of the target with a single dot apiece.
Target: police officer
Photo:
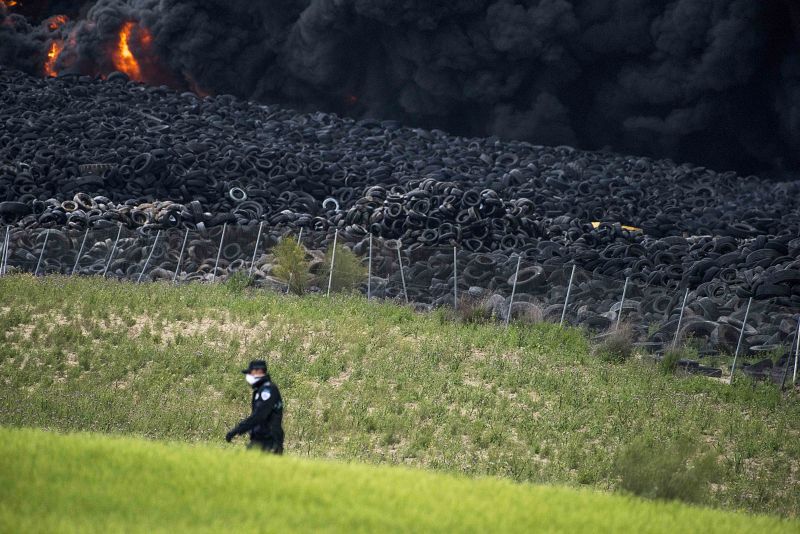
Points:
(264, 424)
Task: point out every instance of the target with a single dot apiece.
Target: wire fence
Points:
(712, 318)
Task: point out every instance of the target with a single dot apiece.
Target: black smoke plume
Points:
(716, 82)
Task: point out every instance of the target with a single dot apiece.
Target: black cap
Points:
(256, 364)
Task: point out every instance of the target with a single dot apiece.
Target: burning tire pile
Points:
(77, 153)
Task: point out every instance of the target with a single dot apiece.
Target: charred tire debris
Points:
(78, 153)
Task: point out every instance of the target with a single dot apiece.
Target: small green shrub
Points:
(348, 271)
(669, 363)
(677, 470)
(238, 282)
(291, 265)
(444, 315)
(617, 345)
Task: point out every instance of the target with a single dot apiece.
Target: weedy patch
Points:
(292, 265)
(673, 356)
(348, 272)
(616, 345)
(473, 310)
(378, 383)
(238, 282)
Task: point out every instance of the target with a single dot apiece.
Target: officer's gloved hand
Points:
(229, 436)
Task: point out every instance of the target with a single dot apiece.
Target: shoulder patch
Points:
(265, 394)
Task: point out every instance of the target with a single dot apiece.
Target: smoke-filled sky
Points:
(716, 82)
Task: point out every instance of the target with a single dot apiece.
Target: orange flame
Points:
(52, 56)
(54, 23)
(134, 54)
(9, 3)
(123, 58)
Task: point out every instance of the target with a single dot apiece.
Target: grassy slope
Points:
(373, 382)
(86, 483)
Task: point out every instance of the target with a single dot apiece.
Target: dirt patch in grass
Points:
(202, 326)
(165, 331)
(24, 331)
(343, 377)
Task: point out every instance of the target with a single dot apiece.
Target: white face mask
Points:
(252, 379)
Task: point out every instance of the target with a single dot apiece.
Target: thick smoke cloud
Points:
(716, 82)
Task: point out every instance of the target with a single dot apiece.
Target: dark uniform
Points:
(265, 421)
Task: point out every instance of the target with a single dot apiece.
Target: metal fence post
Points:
(4, 258)
(300, 235)
(680, 319)
(7, 254)
(455, 279)
(741, 336)
(80, 252)
(41, 254)
(113, 249)
(3, 251)
(147, 261)
(180, 257)
(219, 252)
(786, 369)
(255, 249)
(796, 352)
(513, 291)
(402, 274)
(566, 299)
(622, 302)
(333, 261)
(369, 270)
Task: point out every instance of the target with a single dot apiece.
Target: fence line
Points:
(741, 336)
(622, 303)
(255, 248)
(80, 251)
(41, 254)
(402, 273)
(513, 290)
(219, 252)
(796, 351)
(333, 261)
(566, 299)
(180, 257)
(113, 249)
(4, 258)
(680, 319)
(571, 296)
(149, 257)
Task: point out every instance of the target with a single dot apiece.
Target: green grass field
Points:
(375, 383)
(90, 483)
